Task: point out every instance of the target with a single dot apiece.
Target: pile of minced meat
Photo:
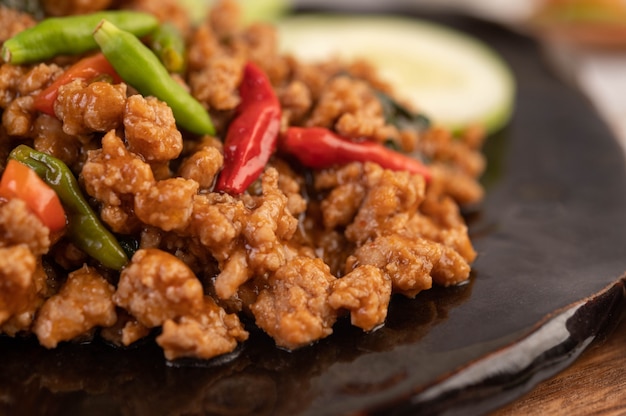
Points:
(299, 249)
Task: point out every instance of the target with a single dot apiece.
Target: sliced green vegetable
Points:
(70, 35)
(168, 44)
(140, 67)
(455, 79)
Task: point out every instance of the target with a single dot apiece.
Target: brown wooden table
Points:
(594, 385)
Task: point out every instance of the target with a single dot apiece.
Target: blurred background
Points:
(583, 40)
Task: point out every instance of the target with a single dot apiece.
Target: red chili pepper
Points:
(87, 68)
(317, 147)
(253, 133)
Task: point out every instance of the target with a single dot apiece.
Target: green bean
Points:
(140, 67)
(70, 35)
(168, 44)
(84, 227)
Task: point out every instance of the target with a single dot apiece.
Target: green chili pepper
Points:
(70, 35)
(141, 68)
(84, 227)
(168, 44)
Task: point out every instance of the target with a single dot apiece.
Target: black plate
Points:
(551, 238)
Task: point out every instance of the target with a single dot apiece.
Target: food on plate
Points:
(436, 69)
(182, 182)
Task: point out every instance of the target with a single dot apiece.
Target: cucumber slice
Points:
(453, 78)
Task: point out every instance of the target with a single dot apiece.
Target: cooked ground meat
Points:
(49, 137)
(151, 129)
(164, 10)
(83, 303)
(351, 108)
(365, 292)
(207, 333)
(18, 117)
(214, 73)
(299, 249)
(12, 22)
(156, 286)
(202, 166)
(17, 268)
(113, 175)
(294, 308)
(24, 288)
(86, 108)
(19, 226)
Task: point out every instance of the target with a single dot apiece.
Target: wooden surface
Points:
(594, 385)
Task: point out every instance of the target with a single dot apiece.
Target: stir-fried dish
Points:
(176, 181)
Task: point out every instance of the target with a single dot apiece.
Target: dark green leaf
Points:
(129, 244)
(392, 144)
(400, 116)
